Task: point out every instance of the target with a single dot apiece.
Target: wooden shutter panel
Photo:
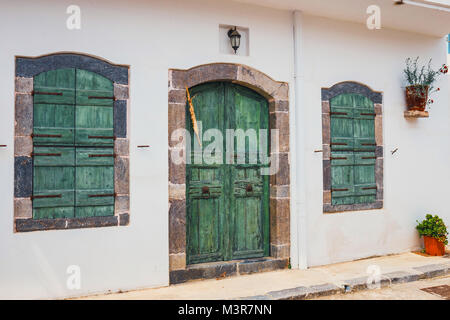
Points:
(364, 168)
(94, 126)
(53, 124)
(94, 110)
(53, 115)
(94, 182)
(53, 182)
(73, 113)
(353, 168)
(342, 177)
(364, 177)
(342, 144)
(364, 123)
(341, 112)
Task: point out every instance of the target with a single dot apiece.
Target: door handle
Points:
(205, 190)
(249, 188)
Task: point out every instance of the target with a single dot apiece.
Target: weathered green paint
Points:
(94, 157)
(228, 222)
(94, 115)
(54, 156)
(353, 149)
(66, 160)
(53, 175)
(60, 81)
(54, 114)
(94, 176)
(90, 86)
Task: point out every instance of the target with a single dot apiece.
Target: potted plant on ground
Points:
(434, 234)
(420, 83)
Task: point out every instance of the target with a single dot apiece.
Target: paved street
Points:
(404, 291)
(401, 266)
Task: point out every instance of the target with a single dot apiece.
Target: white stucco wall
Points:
(151, 37)
(415, 177)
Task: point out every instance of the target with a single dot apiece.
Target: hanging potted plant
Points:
(434, 234)
(420, 83)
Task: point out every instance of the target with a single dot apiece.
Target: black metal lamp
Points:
(235, 38)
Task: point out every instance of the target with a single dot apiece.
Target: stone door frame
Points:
(277, 95)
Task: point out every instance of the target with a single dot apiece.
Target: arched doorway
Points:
(276, 97)
(227, 199)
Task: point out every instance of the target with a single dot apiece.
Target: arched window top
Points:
(351, 87)
(32, 66)
(351, 100)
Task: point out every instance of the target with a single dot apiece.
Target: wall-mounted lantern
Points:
(235, 38)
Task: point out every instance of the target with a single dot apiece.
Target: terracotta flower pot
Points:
(417, 97)
(433, 246)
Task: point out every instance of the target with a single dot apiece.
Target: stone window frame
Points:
(25, 70)
(277, 95)
(377, 98)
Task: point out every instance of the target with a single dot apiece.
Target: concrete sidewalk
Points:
(301, 284)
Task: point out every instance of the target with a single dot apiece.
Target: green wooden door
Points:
(73, 156)
(227, 203)
(249, 196)
(352, 149)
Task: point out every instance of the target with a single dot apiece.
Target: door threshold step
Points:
(223, 269)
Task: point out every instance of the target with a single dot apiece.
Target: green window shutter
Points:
(364, 177)
(364, 123)
(94, 182)
(364, 168)
(53, 124)
(94, 110)
(342, 131)
(54, 99)
(353, 149)
(73, 117)
(94, 126)
(53, 182)
(342, 177)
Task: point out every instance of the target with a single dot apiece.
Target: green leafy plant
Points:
(422, 78)
(434, 227)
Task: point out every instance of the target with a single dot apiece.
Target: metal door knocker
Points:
(205, 190)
